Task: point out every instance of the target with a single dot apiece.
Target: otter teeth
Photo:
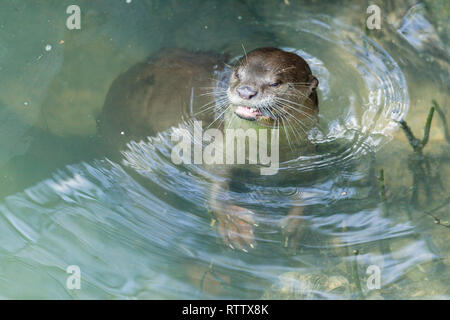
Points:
(252, 109)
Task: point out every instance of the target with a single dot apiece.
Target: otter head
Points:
(272, 87)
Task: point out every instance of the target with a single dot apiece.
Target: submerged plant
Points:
(416, 144)
(419, 164)
(444, 121)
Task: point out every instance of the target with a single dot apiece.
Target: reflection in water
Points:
(417, 30)
(128, 242)
(138, 227)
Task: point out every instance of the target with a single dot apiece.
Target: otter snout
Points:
(246, 92)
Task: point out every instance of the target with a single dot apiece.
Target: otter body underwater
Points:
(267, 88)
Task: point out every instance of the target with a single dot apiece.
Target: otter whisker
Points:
(300, 83)
(213, 87)
(276, 69)
(227, 65)
(286, 106)
(294, 109)
(217, 93)
(272, 114)
(286, 133)
(295, 96)
(212, 108)
(245, 53)
(222, 119)
(284, 69)
(304, 114)
(214, 92)
(214, 102)
(230, 123)
(221, 122)
(213, 79)
(214, 105)
(296, 133)
(292, 102)
(302, 94)
(289, 102)
(222, 113)
(285, 124)
(302, 125)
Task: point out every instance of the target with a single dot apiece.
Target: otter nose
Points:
(246, 92)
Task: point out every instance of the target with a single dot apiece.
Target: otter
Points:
(152, 95)
(268, 84)
(267, 88)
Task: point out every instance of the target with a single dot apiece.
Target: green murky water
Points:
(63, 203)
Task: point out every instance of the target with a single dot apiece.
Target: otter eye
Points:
(275, 84)
(236, 74)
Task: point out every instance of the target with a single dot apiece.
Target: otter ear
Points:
(313, 82)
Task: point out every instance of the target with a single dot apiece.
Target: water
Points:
(138, 227)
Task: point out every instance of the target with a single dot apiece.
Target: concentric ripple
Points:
(362, 94)
(141, 228)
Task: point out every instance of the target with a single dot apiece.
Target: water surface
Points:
(138, 226)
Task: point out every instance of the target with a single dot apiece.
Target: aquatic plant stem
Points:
(426, 134)
(384, 244)
(444, 121)
(356, 275)
(213, 273)
(202, 279)
(382, 186)
(415, 143)
(437, 220)
(418, 164)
